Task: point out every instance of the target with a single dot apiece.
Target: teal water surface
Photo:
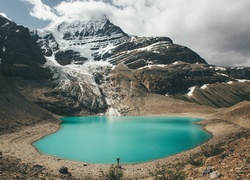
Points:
(134, 139)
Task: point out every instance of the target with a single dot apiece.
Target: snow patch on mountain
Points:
(220, 69)
(204, 86)
(5, 16)
(191, 91)
(243, 80)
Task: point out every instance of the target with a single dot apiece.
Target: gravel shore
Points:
(19, 145)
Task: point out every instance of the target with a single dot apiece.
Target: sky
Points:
(218, 30)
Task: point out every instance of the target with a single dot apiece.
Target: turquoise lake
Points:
(134, 139)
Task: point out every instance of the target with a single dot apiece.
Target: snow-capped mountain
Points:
(79, 41)
(94, 67)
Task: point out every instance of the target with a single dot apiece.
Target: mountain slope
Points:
(19, 54)
(237, 114)
(16, 110)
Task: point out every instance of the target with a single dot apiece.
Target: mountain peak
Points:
(75, 22)
(89, 38)
(4, 15)
(77, 29)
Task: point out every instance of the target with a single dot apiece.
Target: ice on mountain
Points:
(243, 80)
(204, 86)
(191, 91)
(220, 69)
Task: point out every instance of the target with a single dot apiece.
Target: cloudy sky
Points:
(218, 30)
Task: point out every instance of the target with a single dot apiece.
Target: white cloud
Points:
(83, 10)
(41, 11)
(218, 30)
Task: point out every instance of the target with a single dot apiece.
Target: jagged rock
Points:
(19, 54)
(214, 175)
(92, 39)
(68, 57)
(63, 170)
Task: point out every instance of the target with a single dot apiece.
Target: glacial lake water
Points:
(134, 139)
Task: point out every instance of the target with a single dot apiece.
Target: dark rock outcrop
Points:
(19, 54)
(63, 170)
(47, 44)
(68, 57)
(238, 72)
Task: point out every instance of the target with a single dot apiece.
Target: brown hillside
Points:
(220, 94)
(238, 114)
(16, 110)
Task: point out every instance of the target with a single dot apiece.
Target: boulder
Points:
(63, 170)
(207, 170)
(214, 175)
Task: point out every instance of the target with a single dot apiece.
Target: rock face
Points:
(19, 54)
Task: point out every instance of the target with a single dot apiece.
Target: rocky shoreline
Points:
(225, 134)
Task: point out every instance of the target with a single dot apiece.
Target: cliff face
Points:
(19, 54)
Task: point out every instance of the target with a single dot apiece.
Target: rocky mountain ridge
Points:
(94, 67)
(19, 55)
(97, 40)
